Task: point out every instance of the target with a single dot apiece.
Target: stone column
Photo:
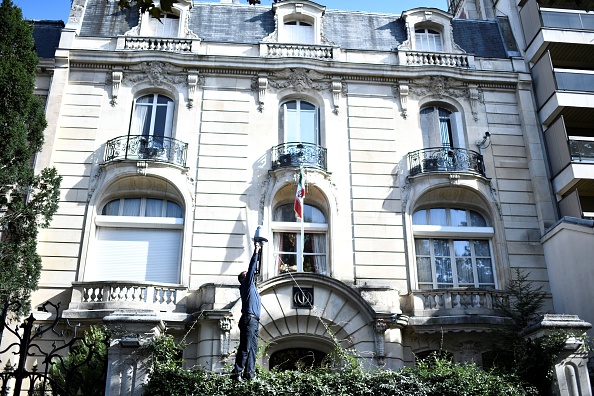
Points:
(126, 368)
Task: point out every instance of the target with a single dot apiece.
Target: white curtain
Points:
(319, 242)
(141, 115)
(131, 207)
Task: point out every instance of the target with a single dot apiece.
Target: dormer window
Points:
(428, 40)
(168, 26)
(299, 32)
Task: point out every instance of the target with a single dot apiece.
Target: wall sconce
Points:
(485, 142)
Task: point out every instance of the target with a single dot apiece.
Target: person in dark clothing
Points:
(249, 321)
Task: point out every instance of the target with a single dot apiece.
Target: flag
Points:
(299, 195)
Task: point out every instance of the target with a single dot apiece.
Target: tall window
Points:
(298, 32)
(290, 251)
(138, 239)
(299, 122)
(428, 40)
(436, 124)
(168, 26)
(153, 116)
(453, 249)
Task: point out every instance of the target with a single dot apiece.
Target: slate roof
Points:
(46, 35)
(233, 23)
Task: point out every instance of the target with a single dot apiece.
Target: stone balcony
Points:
(452, 302)
(297, 50)
(421, 58)
(168, 44)
(109, 296)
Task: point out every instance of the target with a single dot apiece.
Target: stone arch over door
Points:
(337, 309)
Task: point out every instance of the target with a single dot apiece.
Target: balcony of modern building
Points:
(146, 148)
(570, 146)
(562, 27)
(560, 89)
(296, 154)
(445, 160)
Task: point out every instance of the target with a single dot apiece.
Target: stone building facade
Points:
(427, 183)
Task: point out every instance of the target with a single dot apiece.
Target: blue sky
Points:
(60, 9)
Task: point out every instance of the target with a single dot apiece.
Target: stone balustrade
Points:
(418, 58)
(158, 44)
(299, 50)
(118, 295)
(456, 301)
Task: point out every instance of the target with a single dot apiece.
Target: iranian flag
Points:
(299, 195)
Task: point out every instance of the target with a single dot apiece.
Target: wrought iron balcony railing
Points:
(445, 159)
(297, 154)
(146, 148)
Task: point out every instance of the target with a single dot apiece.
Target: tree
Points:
(150, 7)
(27, 201)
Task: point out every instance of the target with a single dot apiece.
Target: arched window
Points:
(138, 239)
(453, 249)
(153, 116)
(441, 128)
(428, 40)
(291, 252)
(299, 122)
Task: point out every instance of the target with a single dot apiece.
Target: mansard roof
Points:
(238, 23)
(46, 35)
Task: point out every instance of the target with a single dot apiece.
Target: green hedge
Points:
(437, 377)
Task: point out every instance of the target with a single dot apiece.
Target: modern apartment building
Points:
(427, 183)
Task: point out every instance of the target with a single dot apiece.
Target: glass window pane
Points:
(420, 217)
(291, 105)
(441, 247)
(312, 214)
(308, 127)
(464, 269)
(315, 243)
(160, 121)
(112, 208)
(309, 264)
(484, 271)
(287, 262)
(174, 210)
(443, 270)
(154, 207)
(476, 220)
(288, 242)
(481, 249)
(423, 247)
(437, 216)
(163, 99)
(424, 269)
(458, 217)
(462, 248)
(131, 207)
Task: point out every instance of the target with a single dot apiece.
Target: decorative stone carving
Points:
(116, 79)
(300, 80)
(338, 87)
(402, 90)
(194, 80)
(157, 73)
(475, 95)
(259, 85)
(76, 11)
(225, 326)
(380, 326)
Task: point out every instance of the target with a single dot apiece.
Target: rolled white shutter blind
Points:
(135, 254)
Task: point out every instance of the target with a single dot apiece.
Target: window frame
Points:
(279, 227)
(138, 125)
(284, 122)
(451, 234)
(433, 121)
(428, 40)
